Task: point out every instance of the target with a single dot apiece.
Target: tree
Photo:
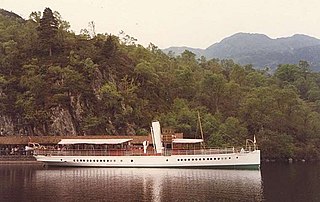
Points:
(48, 30)
(211, 91)
(35, 17)
(232, 131)
(287, 73)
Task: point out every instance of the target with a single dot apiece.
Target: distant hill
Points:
(10, 14)
(179, 50)
(261, 51)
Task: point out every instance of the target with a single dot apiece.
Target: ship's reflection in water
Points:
(130, 184)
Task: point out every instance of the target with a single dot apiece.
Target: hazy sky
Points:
(193, 23)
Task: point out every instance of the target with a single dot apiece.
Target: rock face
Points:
(62, 122)
(6, 126)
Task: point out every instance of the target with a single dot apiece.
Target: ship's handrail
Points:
(131, 152)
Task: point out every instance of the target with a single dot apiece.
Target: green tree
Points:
(233, 132)
(47, 30)
(211, 91)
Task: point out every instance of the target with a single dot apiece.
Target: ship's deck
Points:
(131, 152)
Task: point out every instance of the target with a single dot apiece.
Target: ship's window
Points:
(188, 159)
(199, 159)
(114, 160)
(100, 160)
(185, 159)
(211, 159)
(131, 160)
(90, 160)
(204, 159)
(225, 158)
(237, 157)
(166, 159)
(60, 159)
(229, 157)
(178, 159)
(214, 158)
(208, 159)
(74, 160)
(77, 160)
(192, 159)
(120, 160)
(218, 158)
(196, 159)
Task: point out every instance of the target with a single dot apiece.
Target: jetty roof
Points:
(94, 141)
(187, 141)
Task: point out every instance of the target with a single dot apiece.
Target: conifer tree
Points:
(48, 30)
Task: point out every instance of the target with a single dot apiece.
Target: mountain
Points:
(179, 50)
(261, 51)
(10, 15)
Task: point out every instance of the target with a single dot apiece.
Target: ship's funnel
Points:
(156, 136)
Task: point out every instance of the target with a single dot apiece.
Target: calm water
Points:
(275, 182)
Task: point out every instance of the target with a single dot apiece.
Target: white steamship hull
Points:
(231, 160)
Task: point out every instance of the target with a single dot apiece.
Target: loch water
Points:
(273, 182)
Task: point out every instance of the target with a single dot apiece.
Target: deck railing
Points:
(130, 152)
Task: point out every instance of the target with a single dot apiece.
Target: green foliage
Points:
(212, 88)
(111, 85)
(276, 145)
(47, 30)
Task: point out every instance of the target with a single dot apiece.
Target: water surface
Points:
(275, 182)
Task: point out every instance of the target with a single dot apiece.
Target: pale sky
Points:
(193, 23)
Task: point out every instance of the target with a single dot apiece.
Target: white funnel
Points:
(156, 136)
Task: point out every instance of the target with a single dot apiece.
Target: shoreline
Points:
(2, 162)
(18, 159)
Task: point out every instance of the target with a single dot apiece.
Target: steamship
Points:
(165, 152)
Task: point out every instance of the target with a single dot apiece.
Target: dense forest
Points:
(56, 82)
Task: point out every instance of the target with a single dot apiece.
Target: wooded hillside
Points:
(54, 82)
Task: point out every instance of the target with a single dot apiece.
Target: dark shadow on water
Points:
(291, 182)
